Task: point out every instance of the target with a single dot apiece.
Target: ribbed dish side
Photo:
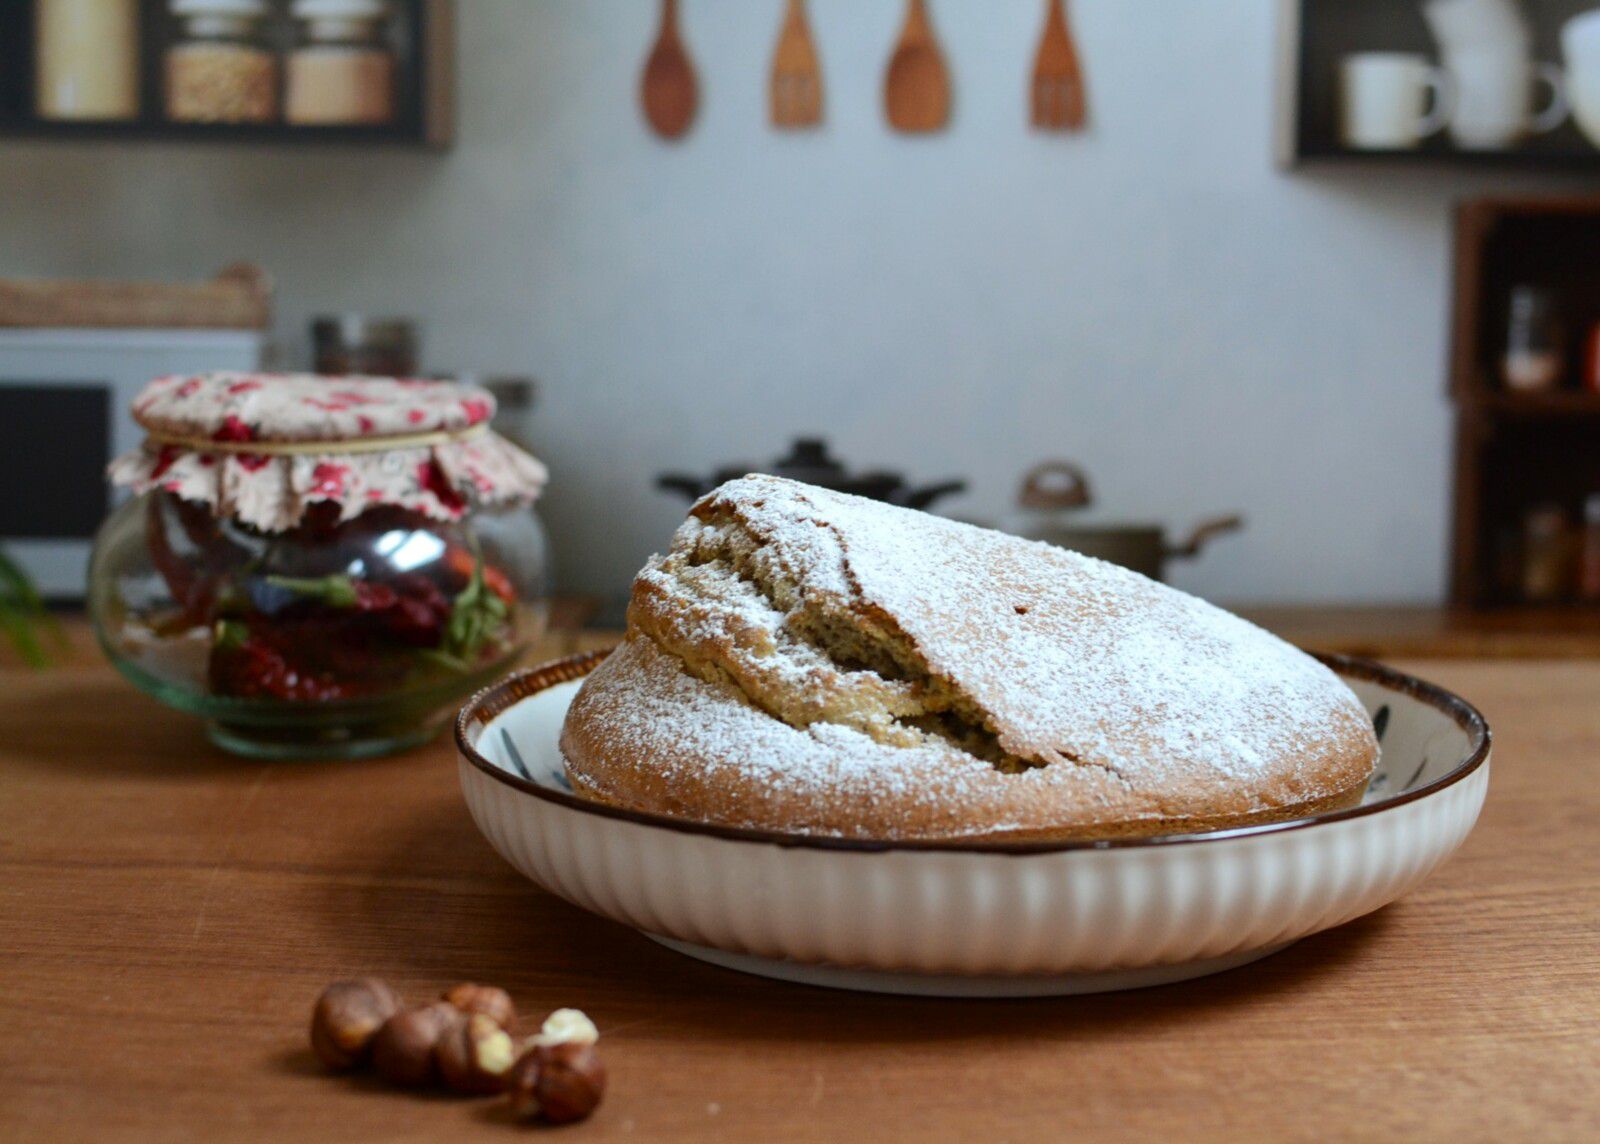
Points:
(960, 912)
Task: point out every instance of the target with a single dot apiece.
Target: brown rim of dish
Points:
(483, 707)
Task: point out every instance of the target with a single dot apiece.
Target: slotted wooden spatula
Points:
(796, 86)
(668, 89)
(916, 91)
(1058, 99)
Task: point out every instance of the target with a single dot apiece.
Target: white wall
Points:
(1204, 332)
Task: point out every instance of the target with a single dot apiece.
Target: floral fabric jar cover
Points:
(357, 442)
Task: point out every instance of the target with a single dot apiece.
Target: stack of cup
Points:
(1487, 48)
(1580, 45)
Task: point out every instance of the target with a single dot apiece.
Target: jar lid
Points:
(338, 9)
(241, 8)
(234, 408)
(263, 447)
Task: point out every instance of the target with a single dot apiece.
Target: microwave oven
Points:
(65, 399)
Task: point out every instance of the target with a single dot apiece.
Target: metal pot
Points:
(808, 461)
(1053, 495)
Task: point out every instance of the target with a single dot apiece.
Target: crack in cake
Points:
(807, 661)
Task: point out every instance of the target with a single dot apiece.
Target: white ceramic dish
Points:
(995, 919)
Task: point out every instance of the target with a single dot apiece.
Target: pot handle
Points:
(923, 497)
(1205, 531)
(690, 487)
(1054, 485)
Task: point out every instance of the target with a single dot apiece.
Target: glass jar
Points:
(87, 59)
(342, 71)
(1546, 555)
(354, 343)
(1589, 552)
(345, 617)
(221, 68)
(1535, 356)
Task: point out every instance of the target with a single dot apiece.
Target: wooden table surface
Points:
(167, 914)
(1412, 632)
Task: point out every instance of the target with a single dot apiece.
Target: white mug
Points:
(1468, 24)
(1494, 97)
(1580, 44)
(1384, 100)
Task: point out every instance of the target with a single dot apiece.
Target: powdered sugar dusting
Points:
(1100, 664)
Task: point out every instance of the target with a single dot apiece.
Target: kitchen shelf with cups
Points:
(1522, 452)
(1316, 37)
(420, 34)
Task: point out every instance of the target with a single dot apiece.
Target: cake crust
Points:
(806, 661)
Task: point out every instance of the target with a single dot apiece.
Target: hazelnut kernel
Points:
(347, 1017)
(557, 1083)
(474, 1055)
(402, 1051)
(566, 1025)
(490, 1000)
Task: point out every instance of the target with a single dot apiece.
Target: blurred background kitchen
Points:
(1329, 265)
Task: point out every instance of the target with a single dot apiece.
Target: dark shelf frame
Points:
(1513, 449)
(1314, 34)
(425, 31)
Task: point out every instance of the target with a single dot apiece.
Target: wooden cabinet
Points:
(1518, 450)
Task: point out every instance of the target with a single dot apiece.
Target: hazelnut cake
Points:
(805, 661)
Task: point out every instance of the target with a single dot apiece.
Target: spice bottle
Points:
(1545, 555)
(86, 59)
(342, 72)
(1534, 357)
(1589, 552)
(221, 69)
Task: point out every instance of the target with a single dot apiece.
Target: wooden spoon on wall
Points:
(916, 91)
(668, 89)
(1058, 98)
(795, 92)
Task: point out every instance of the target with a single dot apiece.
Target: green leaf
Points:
(23, 615)
(476, 616)
(337, 591)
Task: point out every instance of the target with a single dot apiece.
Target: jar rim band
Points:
(305, 448)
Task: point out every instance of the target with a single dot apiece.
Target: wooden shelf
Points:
(1556, 403)
(1314, 35)
(1569, 157)
(425, 41)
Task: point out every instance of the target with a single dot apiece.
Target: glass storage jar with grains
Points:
(318, 566)
(86, 59)
(342, 70)
(221, 68)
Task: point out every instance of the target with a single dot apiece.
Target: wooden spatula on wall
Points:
(916, 91)
(1059, 102)
(796, 86)
(668, 90)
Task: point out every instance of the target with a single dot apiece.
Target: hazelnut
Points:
(558, 1083)
(347, 1017)
(566, 1025)
(474, 1055)
(490, 1000)
(402, 1051)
